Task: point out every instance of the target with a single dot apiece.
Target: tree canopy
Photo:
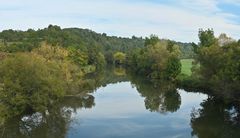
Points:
(158, 60)
(219, 62)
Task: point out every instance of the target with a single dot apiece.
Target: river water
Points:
(121, 106)
(120, 112)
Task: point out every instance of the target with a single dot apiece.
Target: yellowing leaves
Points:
(52, 52)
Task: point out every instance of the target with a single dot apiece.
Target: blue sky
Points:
(173, 19)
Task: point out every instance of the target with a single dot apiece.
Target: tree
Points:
(119, 58)
(78, 57)
(95, 57)
(206, 37)
(219, 63)
(173, 68)
(223, 39)
(158, 60)
(153, 40)
(72, 71)
(29, 83)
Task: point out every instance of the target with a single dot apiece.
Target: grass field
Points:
(186, 66)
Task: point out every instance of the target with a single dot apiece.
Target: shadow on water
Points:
(215, 118)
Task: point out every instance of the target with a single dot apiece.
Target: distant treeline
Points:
(83, 39)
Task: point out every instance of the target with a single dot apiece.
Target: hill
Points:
(83, 39)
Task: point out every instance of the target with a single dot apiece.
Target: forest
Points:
(40, 67)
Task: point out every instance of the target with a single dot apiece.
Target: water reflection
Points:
(76, 102)
(54, 123)
(117, 103)
(160, 96)
(216, 119)
(38, 125)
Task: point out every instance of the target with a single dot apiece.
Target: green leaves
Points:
(207, 37)
(119, 58)
(219, 62)
(158, 60)
(29, 82)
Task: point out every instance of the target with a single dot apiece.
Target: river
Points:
(119, 106)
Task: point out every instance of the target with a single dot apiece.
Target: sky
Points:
(179, 20)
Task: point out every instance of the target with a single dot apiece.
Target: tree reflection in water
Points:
(216, 119)
(54, 123)
(160, 96)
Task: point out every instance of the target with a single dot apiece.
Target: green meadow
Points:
(186, 66)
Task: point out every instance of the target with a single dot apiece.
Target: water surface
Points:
(121, 105)
(120, 111)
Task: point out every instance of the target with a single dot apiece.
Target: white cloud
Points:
(201, 5)
(180, 22)
(236, 2)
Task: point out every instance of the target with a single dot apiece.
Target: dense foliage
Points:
(28, 82)
(40, 67)
(157, 60)
(119, 58)
(83, 39)
(33, 81)
(219, 60)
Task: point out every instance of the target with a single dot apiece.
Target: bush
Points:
(29, 83)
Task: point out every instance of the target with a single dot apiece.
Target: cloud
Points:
(201, 5)
(235, 2)
(179, 20)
